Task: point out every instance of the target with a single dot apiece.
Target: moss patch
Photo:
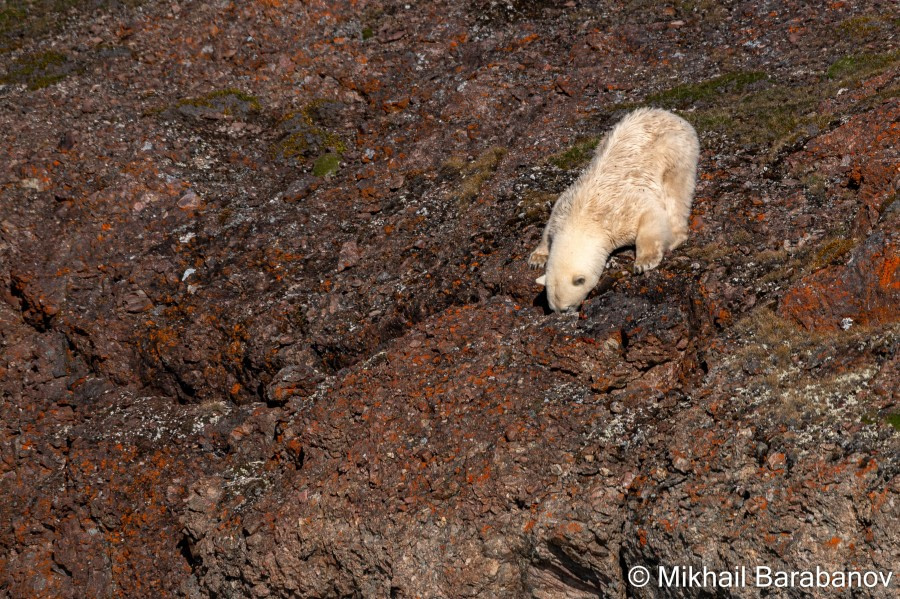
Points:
(770, 337)
(690, 93)
(308, 132)
(10, 15)
(893, 420)
(326, 165)
(576, 156)
(225, 101)
(863, 27)
(774, 117)
(474, 174)
(757, 111)
(711, 252)
(852, 68)
(39, 70)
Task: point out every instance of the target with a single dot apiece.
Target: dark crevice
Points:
(184, 548)
(623, 568)
(186, 392)
(334, 357)
(61, 568)
(43, 323)
(31, 312)
(571, 573)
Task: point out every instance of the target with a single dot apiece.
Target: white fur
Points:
(637, 190)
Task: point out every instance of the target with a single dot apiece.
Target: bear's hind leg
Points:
(678, 186)
(654, 237)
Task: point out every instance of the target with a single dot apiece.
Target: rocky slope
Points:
(268, 329)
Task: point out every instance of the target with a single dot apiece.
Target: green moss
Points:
(691, 93)
(861, 27)
(857, 66)
(39, 70)
(474, 174)
(10, 16)
(770, 114)
(326, 165)
(225, 100)
(576, 156)
(893, 420)
(306, 135)
(773, 117)
(367, 33)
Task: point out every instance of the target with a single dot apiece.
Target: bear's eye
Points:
(578, 281)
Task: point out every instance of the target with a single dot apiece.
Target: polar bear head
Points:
(576, 261)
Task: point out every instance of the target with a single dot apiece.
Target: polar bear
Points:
(637, 190)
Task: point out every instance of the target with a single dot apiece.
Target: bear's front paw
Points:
(537, 259)
(645, 263)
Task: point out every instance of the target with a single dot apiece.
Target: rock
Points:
(292, 381)
(349, 256)
(137, 302)
(864, 291)
(267, 327)
(299, 189)
(189, 201)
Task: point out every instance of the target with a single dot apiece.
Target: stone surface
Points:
(224, 372)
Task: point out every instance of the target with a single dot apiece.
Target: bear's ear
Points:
(541, 280)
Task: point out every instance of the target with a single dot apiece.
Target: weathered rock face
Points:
(267, 328)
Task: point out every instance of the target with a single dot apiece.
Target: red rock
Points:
(866, 289)
(190, 201)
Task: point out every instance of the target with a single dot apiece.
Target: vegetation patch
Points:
(788, 365)
(893, 420)
(230, 102)
(39, 70)
(576, 156)
(309, 133)
(788, 267)
(757, 111)
(774, 117)
(862, 27)
(711, 252)
(475, 173)
(859, 26)
(10, 15)
(326, 165)
(851, 69)
(814, 186)
(771, 339)
(691, 93)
